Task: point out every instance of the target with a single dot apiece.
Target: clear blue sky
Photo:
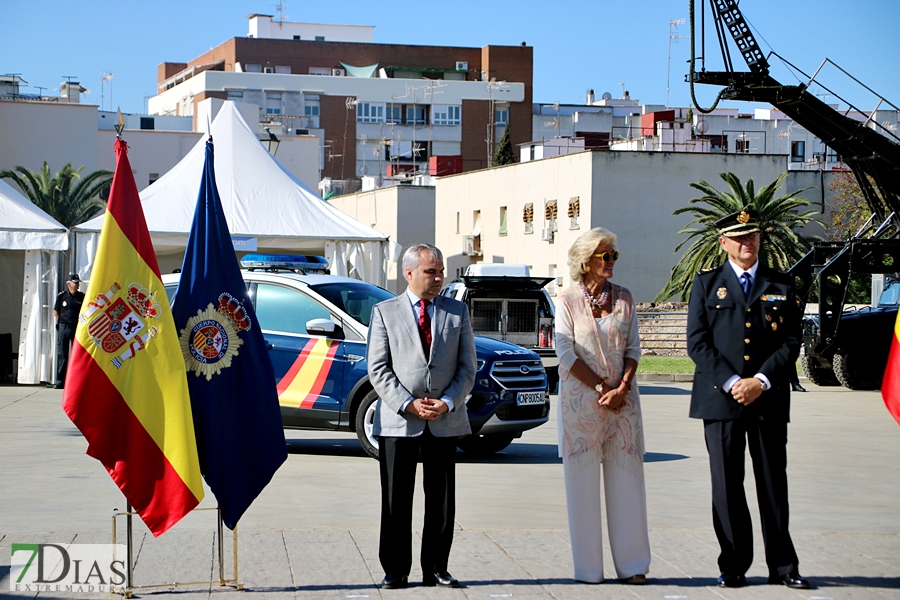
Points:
(607, 45)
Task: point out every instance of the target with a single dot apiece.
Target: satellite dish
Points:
(606, 96)
(364, 170)
(702, 126)
(379, 180)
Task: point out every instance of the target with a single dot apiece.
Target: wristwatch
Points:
(762, 384)
(598, 388)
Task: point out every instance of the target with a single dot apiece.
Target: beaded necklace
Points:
(597, 302)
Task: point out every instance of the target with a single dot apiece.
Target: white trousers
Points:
(626, 520)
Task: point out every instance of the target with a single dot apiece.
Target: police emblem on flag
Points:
(210, 339)
(122, 320)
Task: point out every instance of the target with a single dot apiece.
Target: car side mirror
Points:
(325, 327)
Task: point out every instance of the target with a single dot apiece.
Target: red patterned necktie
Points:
(425, 326)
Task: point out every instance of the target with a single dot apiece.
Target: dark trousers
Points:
(397, 458)
(725, 441)
(65, 335)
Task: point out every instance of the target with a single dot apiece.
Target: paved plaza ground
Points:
(313, 533)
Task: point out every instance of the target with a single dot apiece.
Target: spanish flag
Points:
(126, 387)
(890, 387)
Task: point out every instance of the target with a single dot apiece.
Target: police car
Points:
(315, 326)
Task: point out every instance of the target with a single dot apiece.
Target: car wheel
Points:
(482, 445)
(365, 421)
(816, 373)
(856, 372)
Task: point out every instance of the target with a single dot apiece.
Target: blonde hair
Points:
(584, 246)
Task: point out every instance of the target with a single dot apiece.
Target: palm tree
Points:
(60, 196)
(779, 218)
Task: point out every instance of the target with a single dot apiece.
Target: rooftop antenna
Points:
(104, 77)
(69, 78)
(281, 16)
(673, 37)
(40, 90)
(623, 88)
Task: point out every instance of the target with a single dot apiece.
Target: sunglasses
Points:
(605, 256)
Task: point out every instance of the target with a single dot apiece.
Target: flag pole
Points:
(130, 546)
(221, 550)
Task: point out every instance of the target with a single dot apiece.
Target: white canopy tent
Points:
(31, 246)
(265, 205)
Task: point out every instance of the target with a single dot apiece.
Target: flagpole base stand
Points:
(127, 591)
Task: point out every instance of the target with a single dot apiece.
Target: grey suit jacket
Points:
(399, 369)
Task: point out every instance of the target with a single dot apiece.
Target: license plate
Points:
(529, 398)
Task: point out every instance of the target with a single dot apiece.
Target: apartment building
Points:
(378, 108)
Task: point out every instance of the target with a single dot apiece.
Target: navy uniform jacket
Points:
(730, 334)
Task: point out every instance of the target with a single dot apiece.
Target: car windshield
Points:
(356, 299)
(889, 297)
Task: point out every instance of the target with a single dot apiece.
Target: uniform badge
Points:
(743, 217)
(721, 293)
(774, 326)
(124, 320)
(210, 339)
(65, 303)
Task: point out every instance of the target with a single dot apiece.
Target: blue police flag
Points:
(237, 420)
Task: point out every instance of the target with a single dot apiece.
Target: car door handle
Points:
(269, 346)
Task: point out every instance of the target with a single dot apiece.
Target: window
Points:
(798, 151)
(296, 37)
(832, 156)
(574, 212)
(148, 123)
(502, 220)
(285, 310)
(415, 115)
(528, 217)
(501, 116)
(268, 70)
(273, 103)
(235, 95)
(320, 38)
(319, 71)
(446, 115)
(253, 69)
(457, 222)
(742, 146)
(283, 69)
(369, 112)
(393, 113)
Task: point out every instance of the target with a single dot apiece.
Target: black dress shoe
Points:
(393, 582)
(444, 579)
(791, 580)
(798, 388)
(731, 581)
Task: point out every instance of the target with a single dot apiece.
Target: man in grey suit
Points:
(421, 357)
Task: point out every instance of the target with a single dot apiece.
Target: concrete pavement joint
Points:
(365, 562)
(519, 564)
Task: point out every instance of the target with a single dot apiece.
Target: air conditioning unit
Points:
(462, 65)
(546, 235)
(301, 132)
(339, 72)
(484, 75)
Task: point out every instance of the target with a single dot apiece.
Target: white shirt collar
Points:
(739, 271)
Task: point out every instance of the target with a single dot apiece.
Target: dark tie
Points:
(425, 326)
(746, 282)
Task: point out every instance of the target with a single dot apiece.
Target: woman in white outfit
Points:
(601, 434)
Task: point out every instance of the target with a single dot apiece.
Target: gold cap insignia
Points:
(774, 326)
(743, 217)
(721, 293)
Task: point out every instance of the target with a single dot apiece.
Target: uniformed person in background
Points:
(68, 305)
(744, 335)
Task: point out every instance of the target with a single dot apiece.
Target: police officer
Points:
(744, 336)
(68, 305)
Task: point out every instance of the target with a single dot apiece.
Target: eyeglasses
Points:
(605, 256)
